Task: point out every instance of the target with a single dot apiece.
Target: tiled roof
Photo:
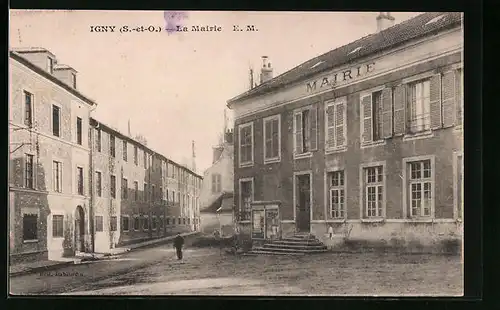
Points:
(422, 25)
(223, 201)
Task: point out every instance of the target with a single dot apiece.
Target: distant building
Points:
(76, 184)
(218, 184)
(366, 138)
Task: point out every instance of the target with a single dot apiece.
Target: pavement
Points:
(155, 270)
(50, 265)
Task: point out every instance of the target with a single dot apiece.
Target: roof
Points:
(420, 26)
(18, 57)
(224, 201)
(63, 67)
(24, 50)
(121, 135)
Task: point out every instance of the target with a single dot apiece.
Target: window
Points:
(145, 192)
(125, 223)
(136, 155)
(136, 190)
(178, 197)
(57, 226)
(145, 223)
(153, 193)
(137, 224)
(79, 181)
(57, 176)
(246, 198)
(30, 227)
(183, 221)
(460, 185)
(335, 124)
(179, 221)
(145, 160)
(419, 102)
(420, 188)
(99, 223)
(73, 80)
(56, 120)
(168, 221)
(124, 188)
(216, 183)
(125, 154)
(305, 130)
(246, 144)
(373, 191)
(459, 82)
(113, 223)
(162, 222)
(79, 131)
(112, 150)
(98, 140)
(98, 183)
(28, 109)
(50, 65)
(112, 186)
(337, 194)
(154, 223)
(272, 143)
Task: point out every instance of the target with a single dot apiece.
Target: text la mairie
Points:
(339, 77)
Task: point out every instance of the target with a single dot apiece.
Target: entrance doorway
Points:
(303, 202)
(79, 229)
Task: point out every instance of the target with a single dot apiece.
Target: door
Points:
(272, 224)
(303, 202)
(79, 229)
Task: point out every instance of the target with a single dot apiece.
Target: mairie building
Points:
(366, 138)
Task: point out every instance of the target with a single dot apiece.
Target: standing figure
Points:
(178, 243)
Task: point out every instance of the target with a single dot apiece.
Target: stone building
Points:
(76, 184)
(49, 157)
(366, 138)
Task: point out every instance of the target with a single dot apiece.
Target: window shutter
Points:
(387, 113)
(435, 101)
(330, 126)
(275, 137)
(366, 113)
(214, 185)
(449, 104)
(399, 110)
(459, 95)
(313, 115)
(298, 133)
(339, 125)
(268, 133)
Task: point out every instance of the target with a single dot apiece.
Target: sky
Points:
(173, 87)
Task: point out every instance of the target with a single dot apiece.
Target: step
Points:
(293, 241)
(293, 247)
(325, 249)
(258, 252)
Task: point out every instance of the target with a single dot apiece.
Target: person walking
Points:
(178, 243)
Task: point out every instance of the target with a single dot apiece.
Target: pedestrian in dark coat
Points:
(178, 243)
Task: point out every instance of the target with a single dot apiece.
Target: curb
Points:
(40, 269)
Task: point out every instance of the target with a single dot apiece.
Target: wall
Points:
(46, 148)
(224, 167)
(275, 181)
(210, 221)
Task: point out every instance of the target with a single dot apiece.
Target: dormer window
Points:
(50, 65)
(73, 80)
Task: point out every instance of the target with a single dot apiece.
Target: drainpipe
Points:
(91, 201)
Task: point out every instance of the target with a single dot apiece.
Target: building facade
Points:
(366, 138)
(49, 157)
(77, 185)
(218, 185)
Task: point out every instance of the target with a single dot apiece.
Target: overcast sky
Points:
(174, 87)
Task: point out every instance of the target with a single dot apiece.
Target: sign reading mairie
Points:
(339, 77)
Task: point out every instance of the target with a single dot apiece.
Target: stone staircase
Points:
(299, 244)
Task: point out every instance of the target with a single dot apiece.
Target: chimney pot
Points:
(266, 72)
(384, 20)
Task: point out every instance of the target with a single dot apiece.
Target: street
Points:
(207, 271)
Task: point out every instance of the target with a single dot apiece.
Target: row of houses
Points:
(75, 183)
(366, 138)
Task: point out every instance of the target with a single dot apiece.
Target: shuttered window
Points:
(246, 144)
(216, 183)
(335, 125)
(377, 116)
(272, 142)
(459, 82)
(306, 130)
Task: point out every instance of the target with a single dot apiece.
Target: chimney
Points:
(384, 21)
(228, 136)
(266, 72)
(251, 78)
